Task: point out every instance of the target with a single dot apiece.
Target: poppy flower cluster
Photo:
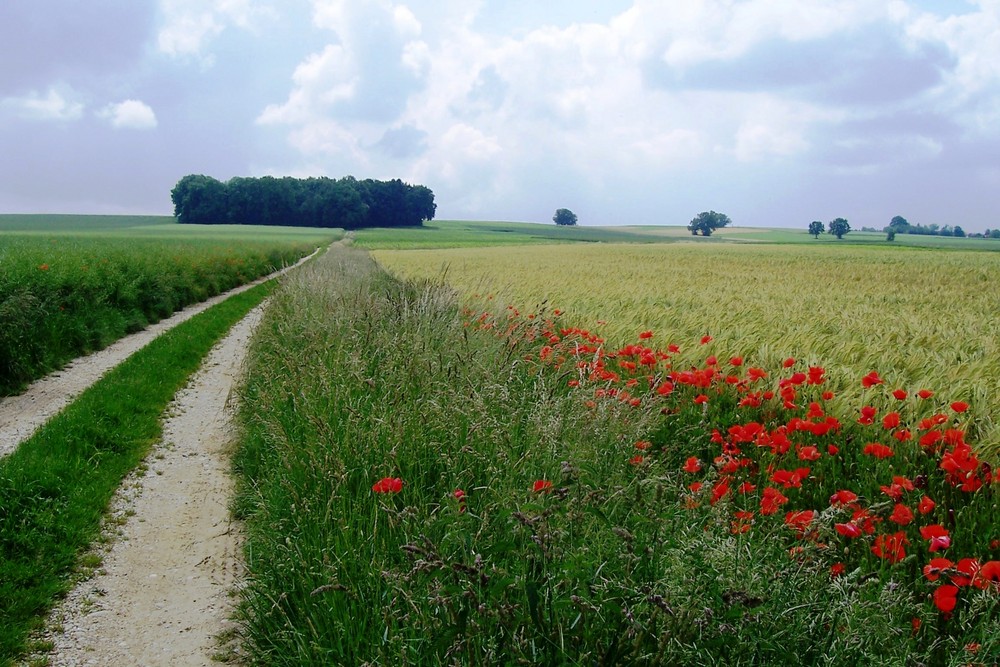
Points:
(784, 456)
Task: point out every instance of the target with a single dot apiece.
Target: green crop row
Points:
(63, 296)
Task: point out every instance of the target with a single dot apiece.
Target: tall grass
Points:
(369, 403)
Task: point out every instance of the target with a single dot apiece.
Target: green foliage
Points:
(55, 487)
(707, 222)
(564, 216)
(311, 202)
(839, 227)
(816, 228)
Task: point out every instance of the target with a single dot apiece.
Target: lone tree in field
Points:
(564, 216)
(816, 228)
(707, 222)
(839, 227)
(898, 221)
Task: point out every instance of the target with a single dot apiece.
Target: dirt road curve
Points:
(163, 595)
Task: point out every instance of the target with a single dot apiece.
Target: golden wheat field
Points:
(923, 319)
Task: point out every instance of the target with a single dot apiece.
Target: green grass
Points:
(55, 487)
(355, 377)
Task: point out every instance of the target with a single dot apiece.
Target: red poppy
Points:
(541, 486)
(926, 505)
(800, 521)
(673, 348)
(645, 335)
(867, 415)
(925, 393)
(837, 569)
(808, 453)
(901, 514)
(891, 547)
(638, 459)
(899, 394)
(843, 497)
(736, 361)
(871, 380)
(692, 465)
(890, 421)
(989, 575)
(878, 450)
(700, 399)
(388, 485)
(959, 406)
(719, 491)
(816, 375)
(945, 598)
(788, 363)
(936, 568)
(706, 339)
(771, 500)
(460, 497)
(849, 530)
(937, 535)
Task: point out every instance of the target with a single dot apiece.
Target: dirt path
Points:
(22, 415)
(163, 593)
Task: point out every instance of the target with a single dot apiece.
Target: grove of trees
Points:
(900, 225)
(310, 202)
(707, 222)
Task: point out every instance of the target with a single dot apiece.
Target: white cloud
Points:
(53, 106)
(130, 114)
(189, 26)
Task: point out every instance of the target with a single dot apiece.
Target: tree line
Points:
(310, 202)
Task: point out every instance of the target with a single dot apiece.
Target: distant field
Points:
(922, 317)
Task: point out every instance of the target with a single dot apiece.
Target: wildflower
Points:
(837, 569)
(719, 491)
(541, 486)
(388, 485)
(643, 445)
(925, 393)
(700, 399)
(637, 460)
(849, 530)
(959, 406)
(937, 535)
(816, 375)
(878, 450)
(800, 521)
(891, 547)
(788, 363)
(871, 380)
(926, 505)
(645, 335)
(890, 421)
(706, 340)
(460, 497)
(867, 415)
(692, 465)
(965, 572)
(945, 598)
(809, 453)
(843, 497)
(899, 394)
(934, 569)
(736, 361)
(901, 514)
(989, 575)
(771, 500)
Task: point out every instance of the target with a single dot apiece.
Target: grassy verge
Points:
(55, 487)
(421, 492)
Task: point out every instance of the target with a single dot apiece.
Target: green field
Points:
(73, 284)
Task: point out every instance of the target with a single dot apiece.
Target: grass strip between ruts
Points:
(56, 486)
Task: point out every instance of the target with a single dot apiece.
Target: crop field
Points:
(925, 317)
(73, 284)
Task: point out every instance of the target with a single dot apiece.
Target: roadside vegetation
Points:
(427, 484)
(56, 486)
(67, 293)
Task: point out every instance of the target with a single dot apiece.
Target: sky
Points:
(774, 112)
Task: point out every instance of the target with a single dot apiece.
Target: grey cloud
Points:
(403, 142)
(861, 67)
(46, 40)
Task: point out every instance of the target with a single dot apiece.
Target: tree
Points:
(959, 232)
(707, 222)
(898, 221)
(890, 235)
(564, 216)
(839, 227)
(816, 228)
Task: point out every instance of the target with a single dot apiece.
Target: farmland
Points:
(597, 447)
(73, 284)
(923, 316)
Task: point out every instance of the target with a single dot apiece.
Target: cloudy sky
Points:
(776, 112)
